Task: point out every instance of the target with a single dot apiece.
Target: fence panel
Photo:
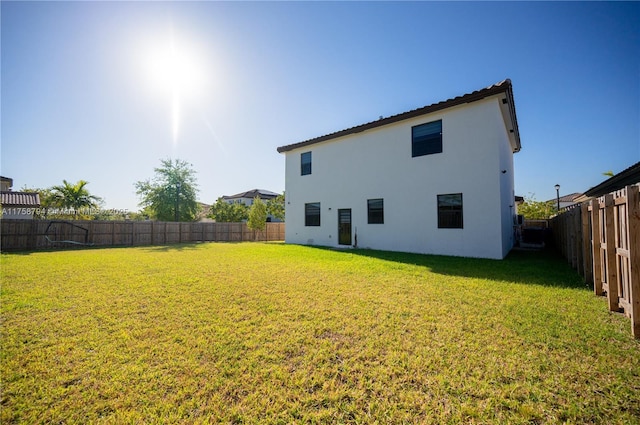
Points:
(20, 235)
(601, 240)
(610, 257)
(633, 230)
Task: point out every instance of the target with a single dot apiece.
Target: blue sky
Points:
(86, 93)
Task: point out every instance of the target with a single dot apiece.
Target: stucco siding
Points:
(377, 163)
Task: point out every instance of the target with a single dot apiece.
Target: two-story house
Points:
(434, 180)
(246, 198)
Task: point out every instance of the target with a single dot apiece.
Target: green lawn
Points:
(272, 333)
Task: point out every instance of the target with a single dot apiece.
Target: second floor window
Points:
(305, 163)
(426, 139)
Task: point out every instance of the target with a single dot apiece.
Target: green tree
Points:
(74, 197)
(275, 207)
(224, 212)
(537, 210)
(171, 194)
(257, 215)
(111, 215)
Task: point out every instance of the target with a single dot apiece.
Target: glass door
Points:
(344, 226)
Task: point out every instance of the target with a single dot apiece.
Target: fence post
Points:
(633, 223)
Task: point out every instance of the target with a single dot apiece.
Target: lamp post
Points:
(558, 197)
(177, 202)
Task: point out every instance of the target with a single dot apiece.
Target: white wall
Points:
(377, 164)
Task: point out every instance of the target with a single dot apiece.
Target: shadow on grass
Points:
(151, 248)
(63, 248)
(186, 246)
(183, 246)
(545, 267)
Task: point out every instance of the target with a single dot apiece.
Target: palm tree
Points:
(74, 196)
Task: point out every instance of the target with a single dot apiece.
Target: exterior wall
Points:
(377, 163)
(508, 208)
(245, 201)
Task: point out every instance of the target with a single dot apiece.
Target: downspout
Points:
(355, 238)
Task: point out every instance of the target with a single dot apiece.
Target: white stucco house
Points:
(246, 198)
(434, 180)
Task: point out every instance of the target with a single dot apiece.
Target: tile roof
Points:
(501, 87)
(263, 194)
(22, 199)
(567, 198)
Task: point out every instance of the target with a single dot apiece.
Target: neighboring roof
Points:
(501, 87)
(624, 178)
(21, 199)
(567, 198)
(6, 179)
(570, 198)
(260, 193)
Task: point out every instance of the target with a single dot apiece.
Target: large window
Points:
(312, 214)
(426, 139)
(305, 163)
(450, 211)
(375, 211)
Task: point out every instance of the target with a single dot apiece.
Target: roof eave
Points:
(624, 178)
(501, 87)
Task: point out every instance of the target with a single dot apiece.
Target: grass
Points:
(272, 333)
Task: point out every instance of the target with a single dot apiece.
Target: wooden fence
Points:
(601, 239)
(23, 235)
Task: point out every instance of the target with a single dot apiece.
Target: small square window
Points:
(312, 214)
(305, 163)
(375, 211)
(450, 211)
(426, 139)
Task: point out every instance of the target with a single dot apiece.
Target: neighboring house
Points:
(203, 214)
(434, 180)
(566, 200)
(17, 205)
(247, 198)
(5, 184)
(518, 201)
